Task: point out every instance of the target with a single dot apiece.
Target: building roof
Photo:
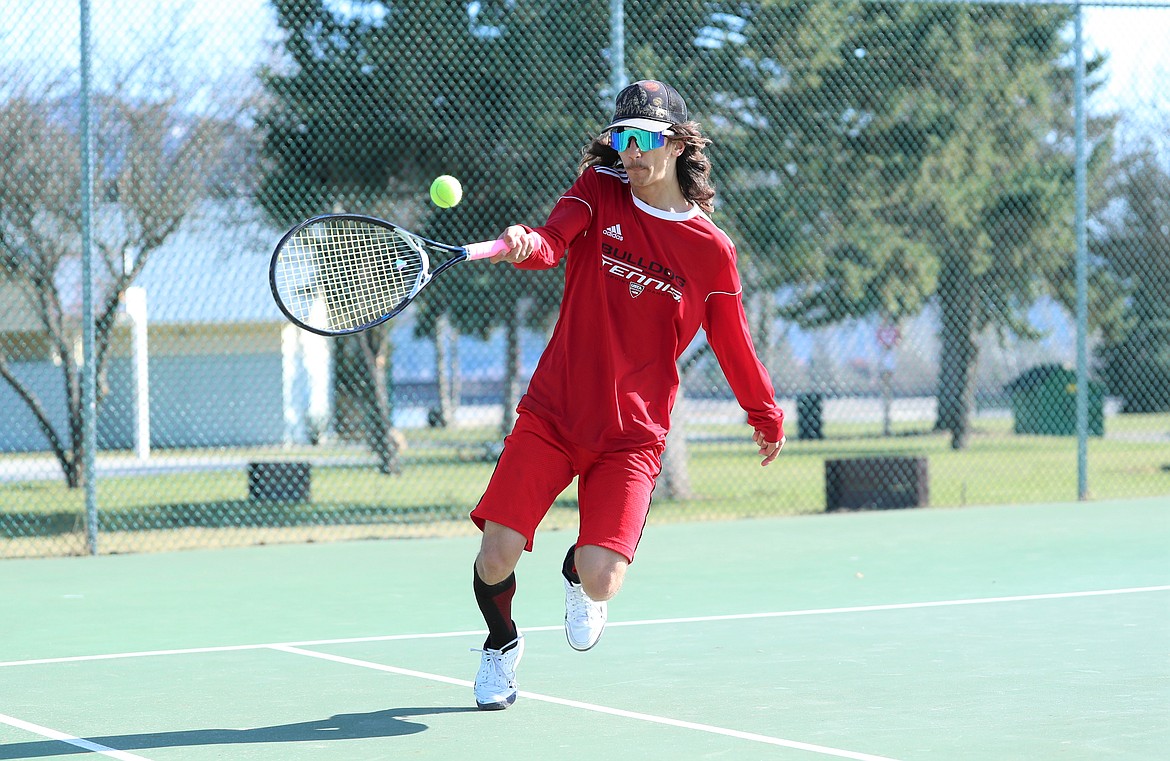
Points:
(214, 269)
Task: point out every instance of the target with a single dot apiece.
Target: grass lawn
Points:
(444, 475)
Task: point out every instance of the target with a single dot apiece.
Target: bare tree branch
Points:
(154, 162)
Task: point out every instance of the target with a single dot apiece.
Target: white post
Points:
(136, 309)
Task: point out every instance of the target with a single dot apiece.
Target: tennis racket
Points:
(344, 273)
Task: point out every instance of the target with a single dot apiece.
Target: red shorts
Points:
(537, 464)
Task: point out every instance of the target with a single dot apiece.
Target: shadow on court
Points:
(345, 726)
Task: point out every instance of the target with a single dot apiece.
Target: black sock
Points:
(495, 603)
(569, 569)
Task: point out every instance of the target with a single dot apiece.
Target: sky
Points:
(229, 37)
(1139, 58)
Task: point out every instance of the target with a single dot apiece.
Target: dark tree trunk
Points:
(959, 304)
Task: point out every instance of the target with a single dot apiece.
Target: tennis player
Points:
(646, 268)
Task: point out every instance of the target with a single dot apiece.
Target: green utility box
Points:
(810, 416)
(1044, 402)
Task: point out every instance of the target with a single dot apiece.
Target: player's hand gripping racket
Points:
(344, 273)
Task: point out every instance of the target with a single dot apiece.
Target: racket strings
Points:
(341, 275)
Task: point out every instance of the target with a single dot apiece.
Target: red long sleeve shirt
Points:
(639, 283)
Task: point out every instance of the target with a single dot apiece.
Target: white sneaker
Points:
(495, 684)
(584, 617)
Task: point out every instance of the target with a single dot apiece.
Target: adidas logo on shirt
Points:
(614, 232)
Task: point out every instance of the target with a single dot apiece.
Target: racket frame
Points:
(423, 246)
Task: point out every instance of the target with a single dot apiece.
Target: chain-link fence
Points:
(901, 180)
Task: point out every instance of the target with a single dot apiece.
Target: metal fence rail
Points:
(952, 219)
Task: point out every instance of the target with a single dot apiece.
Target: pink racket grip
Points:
(486, 249)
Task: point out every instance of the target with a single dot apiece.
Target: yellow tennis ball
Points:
(446, 191)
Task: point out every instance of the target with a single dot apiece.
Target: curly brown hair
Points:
(694, 168)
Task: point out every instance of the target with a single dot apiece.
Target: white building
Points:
(224, 367)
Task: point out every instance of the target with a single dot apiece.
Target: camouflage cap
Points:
(650, 105)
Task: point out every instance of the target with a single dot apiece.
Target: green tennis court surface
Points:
(1038, 632)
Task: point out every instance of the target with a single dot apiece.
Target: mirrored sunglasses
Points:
(619, 139)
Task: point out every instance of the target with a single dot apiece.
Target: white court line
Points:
(140, 654)
(53, 734)
(891, 606)
(558, 627)
(822, 749)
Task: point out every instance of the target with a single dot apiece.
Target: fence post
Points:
(1082, 266)
(88, 371)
